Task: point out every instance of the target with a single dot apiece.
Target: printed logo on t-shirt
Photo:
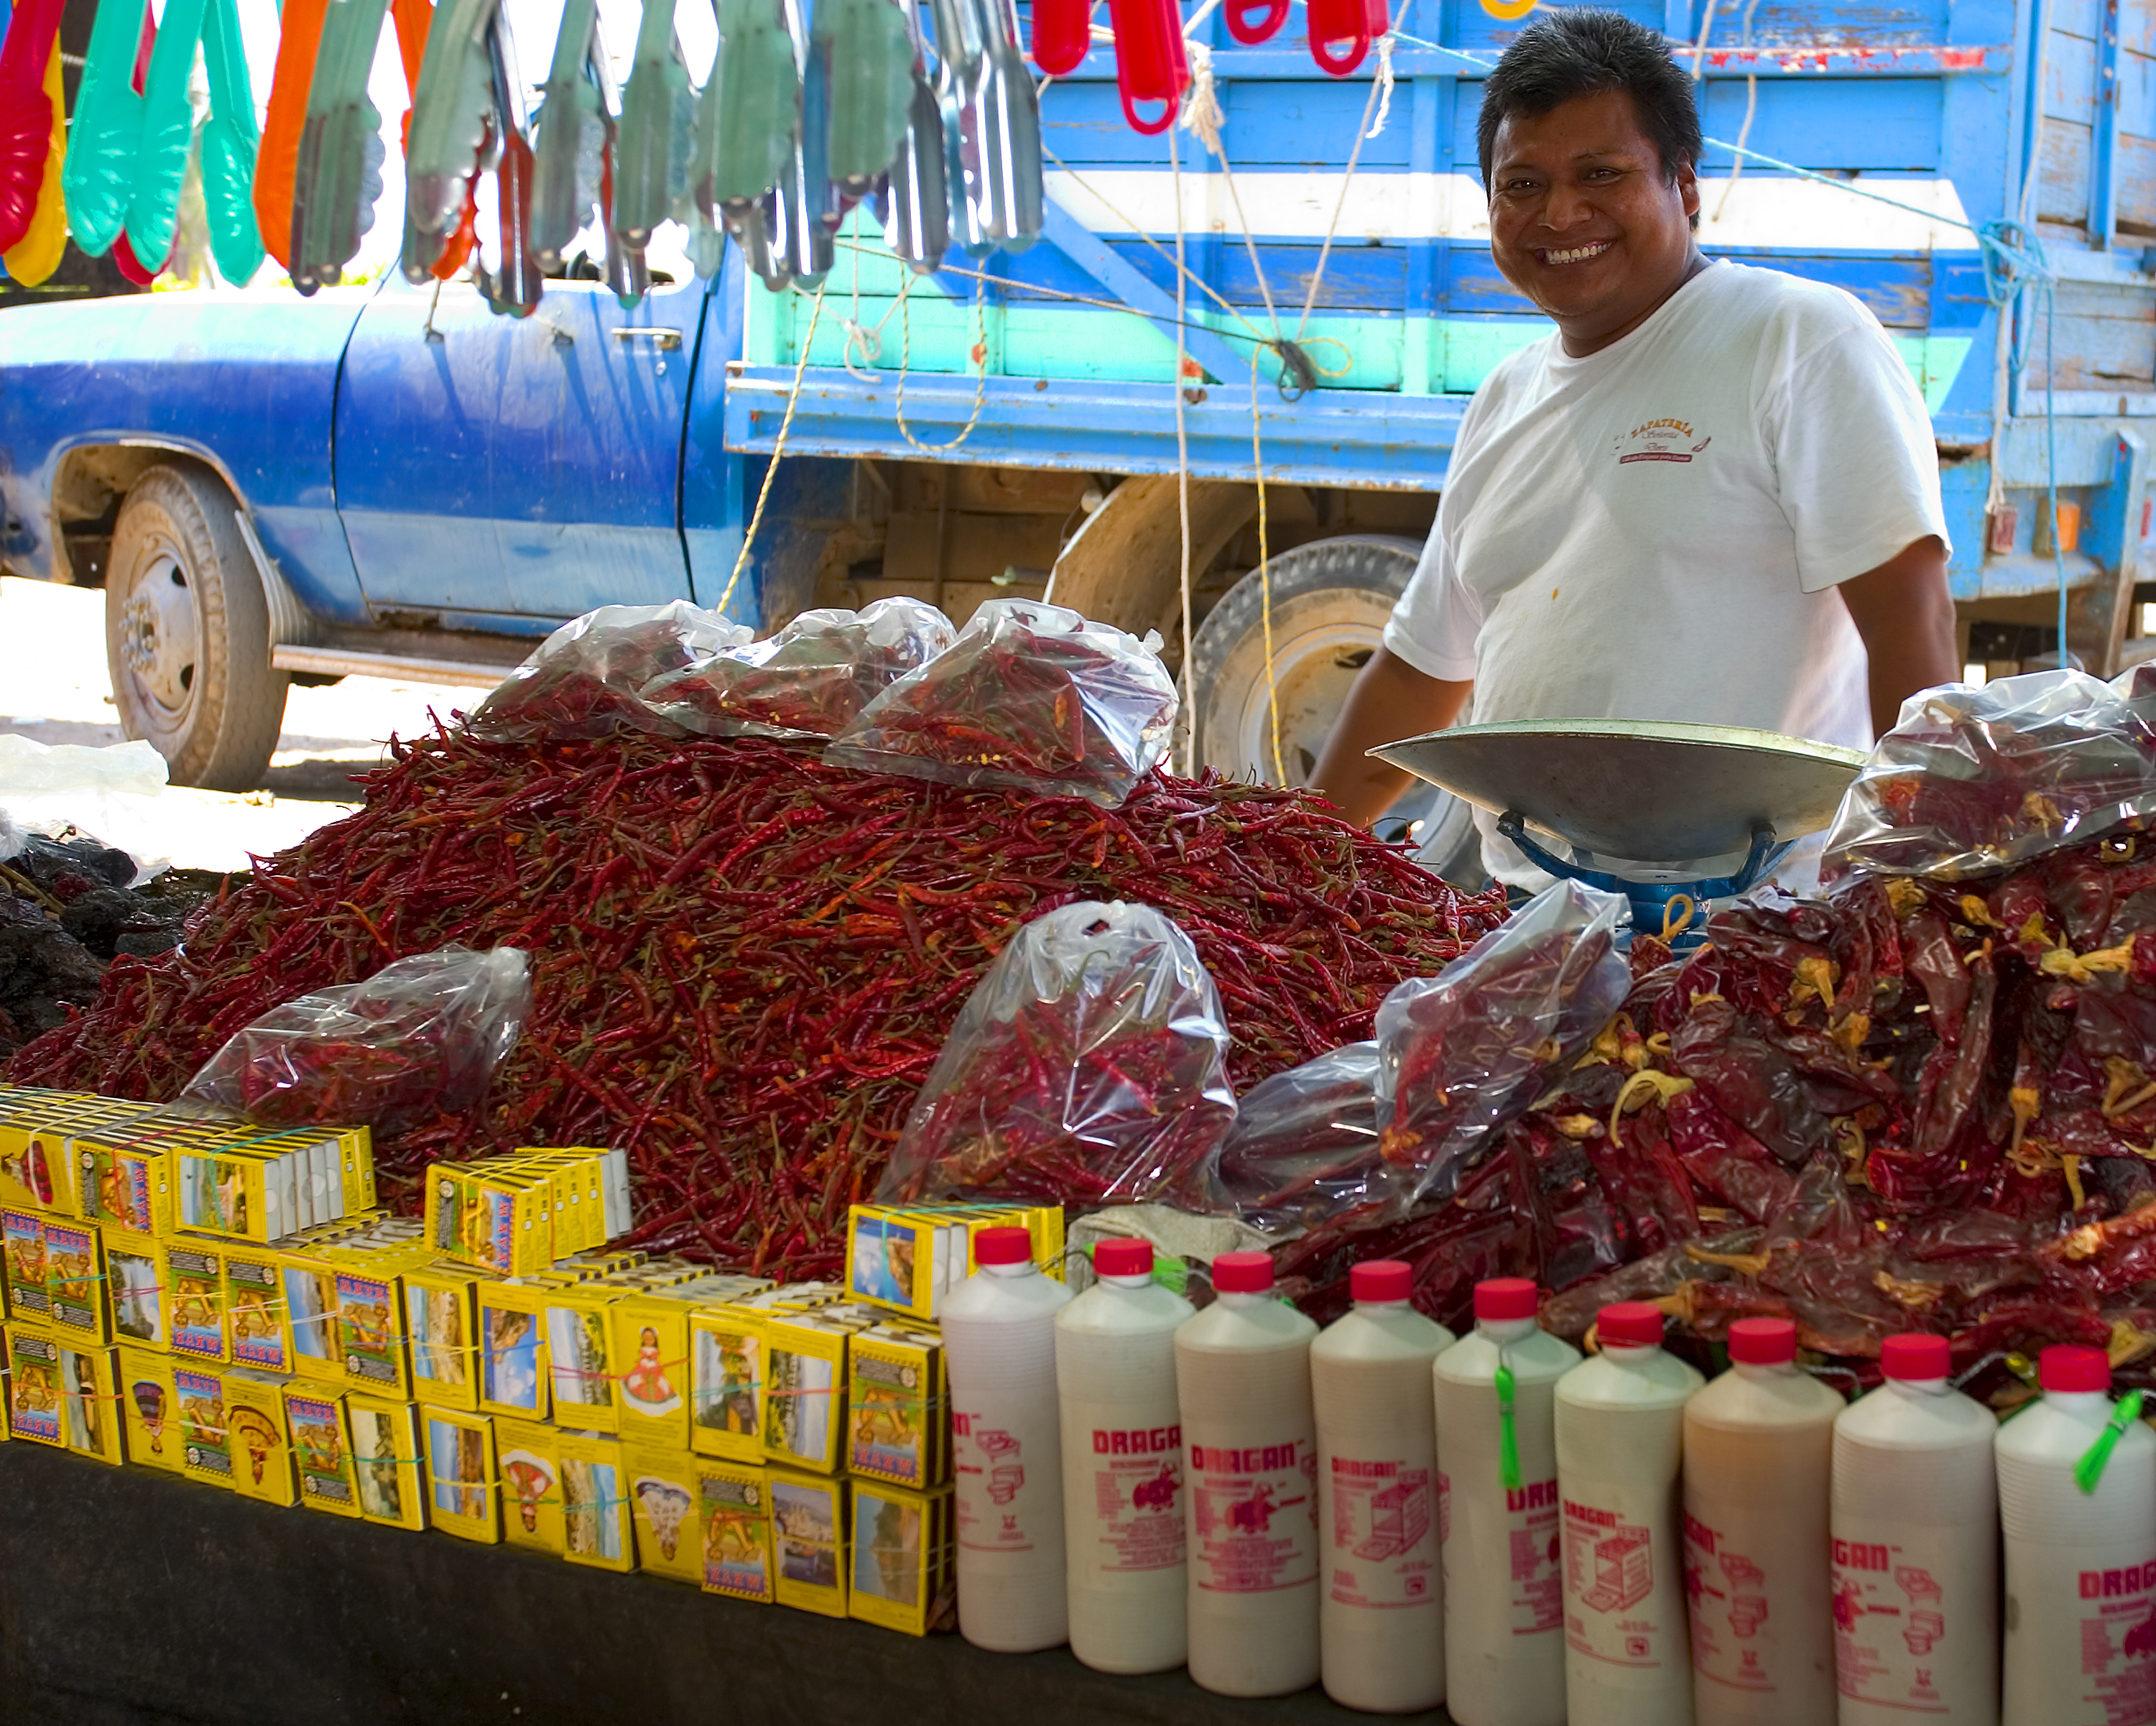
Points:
(1661, 440)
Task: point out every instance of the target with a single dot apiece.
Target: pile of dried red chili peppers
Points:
(1917, 1104)
(744, 962)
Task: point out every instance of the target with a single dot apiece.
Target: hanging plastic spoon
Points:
(30, 117)
(574, 126)
(107, 128)
(1062, 34)
(230, 140)
(36, 254)
(453, 136)
(277, 158)
(866, 53)
(1150, 65)
(1006, 147)
(337, 180)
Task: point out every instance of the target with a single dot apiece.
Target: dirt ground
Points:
(57, 691)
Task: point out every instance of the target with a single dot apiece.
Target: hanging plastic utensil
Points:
(1250, 22)
(132, 268)
(752, 109)
(1151, 65)
(1356, 23)
(515, 286)
(37, 253)
(99, 177)
(958, 52)
(658, 129)
(276, 159)
(918, 223)
(1062, 34)
(810, 202)
(27, 113)
(626, 272)
(412, 18)
(337, 180)
(1005, 150)
(230, 140)
(454, 137)
(751, 231)
(167, 129)
(574, 126)
(866, 53)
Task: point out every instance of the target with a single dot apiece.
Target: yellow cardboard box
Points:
(441, 1317)
(386, 1461)
(135, 1273)
(257, 1439)
(512, 1368)
(310, 1312)
(898, 1424)
(808, 1538)
(532, 1504)
(580, 1355)
(254, 1309)
(904, 1574)
(726, 1345)
(804, 1369)
(194, 1298)
(733, 1510)
(76, 1303)
(147, 1406)
(205, 1436)
(22, 1264)
(89, 1402)
(35, 1402)
(462, 1483)
(651, 1354)
(595, 1502)
(321, 1447)
(662, 1493)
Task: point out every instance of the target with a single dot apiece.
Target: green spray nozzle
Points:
(2088, 1472)
(1508, 1427)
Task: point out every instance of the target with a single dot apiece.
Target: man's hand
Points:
(1389, 699)
(1905, 614)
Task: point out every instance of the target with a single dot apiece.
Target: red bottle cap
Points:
(1503, 1297)
(1629, 1324)
(1762, 1342)
(1123, 1258)
(2069, 1366)
(1243, 1272)
(1003, 1246)
(1916, 1356)
(1381, 1280)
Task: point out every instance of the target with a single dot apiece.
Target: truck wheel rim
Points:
(1312, 669)
(160, 632)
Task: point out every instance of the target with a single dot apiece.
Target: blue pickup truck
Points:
(385, 480)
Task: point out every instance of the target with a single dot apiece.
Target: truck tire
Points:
(187, 633)
(1330, 601)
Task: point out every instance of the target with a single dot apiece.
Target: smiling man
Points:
(1711, 495)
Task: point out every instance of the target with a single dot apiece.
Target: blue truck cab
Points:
(386, 480)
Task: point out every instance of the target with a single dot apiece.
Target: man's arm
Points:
(1905, 614)
(1388, 700)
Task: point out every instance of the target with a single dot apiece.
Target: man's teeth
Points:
(1578, 253)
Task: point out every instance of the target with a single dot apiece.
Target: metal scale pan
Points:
(1664, 799)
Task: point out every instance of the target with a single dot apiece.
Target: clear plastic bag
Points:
(1088, 1067)
(1029, 695)
(587, 678)
(1974, 780)
(1304, 1146)
(422, 1036)
(1464, 1052)
(808, 680)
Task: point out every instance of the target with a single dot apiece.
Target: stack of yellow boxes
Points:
(226, 1303)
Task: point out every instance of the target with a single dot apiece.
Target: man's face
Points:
(1583, 219)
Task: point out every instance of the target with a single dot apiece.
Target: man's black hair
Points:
(1581, 53)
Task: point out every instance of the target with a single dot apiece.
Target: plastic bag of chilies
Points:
(809, 679)
(422, 1036)
(1088, 1067)
(1303, 1149)
(1974, 780)
(586, 679)
(1463, 1053)
(1029, 695)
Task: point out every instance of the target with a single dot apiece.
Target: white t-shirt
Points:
(1655, 531)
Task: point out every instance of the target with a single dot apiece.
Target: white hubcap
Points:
(160, 635)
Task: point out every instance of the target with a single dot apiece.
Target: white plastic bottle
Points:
(999, 1350)
(1381, 1603)
(1619, 1461)
(1915, 1522)
(1123, 1465)
(2081, 1566)
(1758, 1445)
(1504, 1604)
(1242, 1374)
